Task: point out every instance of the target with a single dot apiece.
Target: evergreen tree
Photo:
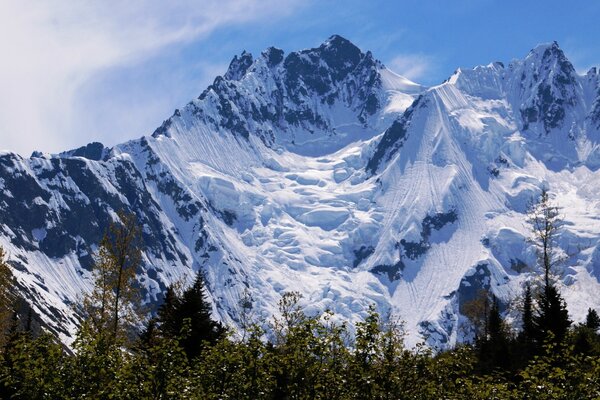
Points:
(195, 308)
(494, 352)
(527, 336)
(592, 321)
(169, 323)
(552, 318)
(188, 317)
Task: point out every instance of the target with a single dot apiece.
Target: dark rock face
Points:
(394, 137)
(393, 272)
(274, 56)
(238, 66)
(295, 91)
(93, 151)
(555, 80)
(414, 250)
(66, 200)
(473, 285)
(362, 254)
(410, 250)
(594, 80)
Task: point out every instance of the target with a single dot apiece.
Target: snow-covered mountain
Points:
(323, 172)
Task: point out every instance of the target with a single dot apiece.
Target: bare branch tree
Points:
(546, 223)
(112, 304)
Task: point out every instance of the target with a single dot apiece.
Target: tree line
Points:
(183, 353)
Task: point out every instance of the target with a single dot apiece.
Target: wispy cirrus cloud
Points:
(412, 66)
(51, 49)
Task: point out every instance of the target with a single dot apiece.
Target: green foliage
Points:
(235, 370)
(157, 371)
(34, 369)
(309, 357)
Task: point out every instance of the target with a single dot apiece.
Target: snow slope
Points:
(323, 172)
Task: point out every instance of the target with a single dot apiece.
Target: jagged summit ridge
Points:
(307, 101)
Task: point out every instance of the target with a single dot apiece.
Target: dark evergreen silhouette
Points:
(169, 323)
(526, 339)
(552, 318)
(592, 320)
(494, 348)
(188, 318)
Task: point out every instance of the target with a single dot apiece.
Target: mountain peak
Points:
(337, 41)
(273, 56)
(549, 81)
(239, 66)
(550, 53)
(340, 53)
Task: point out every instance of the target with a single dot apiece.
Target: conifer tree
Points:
(551, 319)
(527, 336)
(188, 317)
(592, 321)
(195, 308)
(494, 347)
(169, 323)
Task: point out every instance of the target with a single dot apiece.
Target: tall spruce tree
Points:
(188, 318)
(169, 323)
(592, 320)
(494, 348)
(586, 336)
(196, 308)
(551, 319)
(528, 335)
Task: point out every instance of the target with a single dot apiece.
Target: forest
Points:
(183, 353)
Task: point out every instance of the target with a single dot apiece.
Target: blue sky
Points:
(74, 72)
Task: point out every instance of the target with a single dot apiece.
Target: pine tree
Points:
(527, 336)
(195, 308)
(552, 318)
(585, 336)
(592, 320)
(494, 348)
(188, 317)
(169, 323)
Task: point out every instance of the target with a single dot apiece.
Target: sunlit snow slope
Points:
(323, 172)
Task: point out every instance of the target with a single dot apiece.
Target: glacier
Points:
(323, 172)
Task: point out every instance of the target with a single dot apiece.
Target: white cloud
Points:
(50, 49)
(412, 66)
